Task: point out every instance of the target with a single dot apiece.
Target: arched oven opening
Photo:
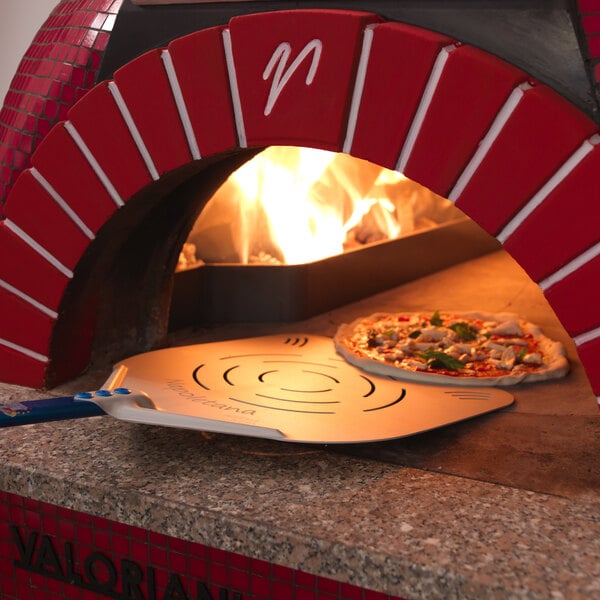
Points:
(457, 119)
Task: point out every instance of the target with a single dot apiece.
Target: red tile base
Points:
(53, 553)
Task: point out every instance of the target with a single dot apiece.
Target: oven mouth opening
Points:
(127, 296)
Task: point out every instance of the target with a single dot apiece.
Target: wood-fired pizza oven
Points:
(123, 119)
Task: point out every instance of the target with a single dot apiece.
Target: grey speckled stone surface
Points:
(427, 521)
(385, 527)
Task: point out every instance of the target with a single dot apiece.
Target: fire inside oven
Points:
(298, 231)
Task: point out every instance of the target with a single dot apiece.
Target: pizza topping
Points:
(441, 360)
(507, 328)
(467, 346)
(464, 331)
(532, 359)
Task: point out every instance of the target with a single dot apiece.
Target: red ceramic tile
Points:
(238, 561)
(47, 222)
(205, 89)
(282, 590)
(260, 586)
(83, 518)
(64, 166)
(139, 551)
(572, 202)
(282, 573)
(370, 595)
(98, 120)
(24, 592)
(33, 519)
(5, 552)
(178, 545)
(505, 180)
(327, 596)
(84, 535)
(101, 540)
(137, 533)
(66, 513)
(217, 556)
(119, 528)
(306, 580)
(71, 593)
(17, 514)
(572, 297)
(240, 580)
(158, 539)
(198, 567)
(260, 566)
(305, 594)
(120, 545)
(177, 562)
(588, 5)
(295, 73)
(591, 24)
(350, 592)
(145, 87)
(218, 574)
(31, 274)
(471, 90)
(158, 556)
(31, 504)
(66, 529)
(54, 54)
(590, 357)
(324, 584)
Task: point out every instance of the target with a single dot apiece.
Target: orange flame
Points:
(296, 205)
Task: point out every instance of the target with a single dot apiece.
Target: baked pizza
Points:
(471, 348)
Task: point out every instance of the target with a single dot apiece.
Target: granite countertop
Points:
(419, 518)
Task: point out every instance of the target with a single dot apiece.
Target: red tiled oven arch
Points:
(513, 154)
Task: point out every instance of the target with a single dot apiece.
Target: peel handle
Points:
(47, 409)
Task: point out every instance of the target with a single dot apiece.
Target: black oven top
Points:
(541, 37)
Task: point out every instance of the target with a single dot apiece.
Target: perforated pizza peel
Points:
(292, 388)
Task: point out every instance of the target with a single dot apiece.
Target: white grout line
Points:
(32, 354)
(41, 307)
(488, 140)
(133, 130)
(570, 267)
(38, 248)
(65, 207)
(563, 172)
(359, 85)
(180, 102)
(106, 182)
(235, 92)
(588, 336)
(426, 98)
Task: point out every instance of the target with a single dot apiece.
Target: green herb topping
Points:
(436, 320)
(464, 331)
(440, 360)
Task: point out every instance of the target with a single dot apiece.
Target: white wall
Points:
(19, 22)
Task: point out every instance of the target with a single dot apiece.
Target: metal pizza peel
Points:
(288, 387)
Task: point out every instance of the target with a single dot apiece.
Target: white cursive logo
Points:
(282, 75)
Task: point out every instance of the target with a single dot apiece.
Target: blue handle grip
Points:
(48, 409)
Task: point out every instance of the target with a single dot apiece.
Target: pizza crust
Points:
(555, 364)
